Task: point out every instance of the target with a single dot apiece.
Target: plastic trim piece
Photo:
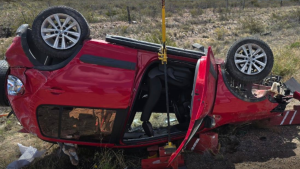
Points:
(153, 47)
(102, 61)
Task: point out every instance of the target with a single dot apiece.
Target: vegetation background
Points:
(216, 23)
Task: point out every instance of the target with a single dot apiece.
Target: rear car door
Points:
(101, 76)
(203, 97)
(88, 99)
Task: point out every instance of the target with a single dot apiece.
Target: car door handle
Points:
(56, 91)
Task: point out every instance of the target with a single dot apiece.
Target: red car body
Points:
(115, 85)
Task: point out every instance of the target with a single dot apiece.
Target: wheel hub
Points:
(250, 59)
(60, 31)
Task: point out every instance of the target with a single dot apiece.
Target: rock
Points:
(266, 34)
(205, 36)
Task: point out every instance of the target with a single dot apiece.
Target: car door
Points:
(101, 75)
(88, 99)
(203, 97)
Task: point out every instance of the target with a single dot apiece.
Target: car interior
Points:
(151, 101)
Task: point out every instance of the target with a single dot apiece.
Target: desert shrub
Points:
(223, 17)
(196, 12)
(220, 33)
(151, 10)
(123, 15)
(223, 14)
(297, 14)
(221, 10)
(156, 37)
(101, 158)
(4, 44)
(23, 17)
(287, 61)
(295, 45)
(255, 3)
(196, 21)
(111, 12)
(187, 45)
(109, 159)
(217, 47)
(292, 16)
(276, 16)
(124, 30)
(177, 19)
(252, 25)
(186, 27)
(90, 16)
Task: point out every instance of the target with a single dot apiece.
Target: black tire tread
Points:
(4, 67)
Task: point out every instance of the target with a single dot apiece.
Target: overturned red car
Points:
(65, 87)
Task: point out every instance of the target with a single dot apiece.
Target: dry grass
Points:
(252, 25)
(9, 137)
(4, 44)
(220, 33)
(286, 62)
(101, 158)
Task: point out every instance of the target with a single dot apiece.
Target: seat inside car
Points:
(178, 77)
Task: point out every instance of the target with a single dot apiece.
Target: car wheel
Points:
(57, 31)
(3, 81)
(249, 60)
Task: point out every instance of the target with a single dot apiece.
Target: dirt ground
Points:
(261, 148)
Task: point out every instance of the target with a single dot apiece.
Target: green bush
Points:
(295, 45)
(4, 44)
(111, 13)
(223, 17)
(252, 25)
(286, 62)
(196, 12)
(255, 3)
(124, 30)
(220, 32)
(156, 37)
(90, 16)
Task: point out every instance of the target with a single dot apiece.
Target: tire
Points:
(3, 81)
(50, 32)
(240, 58)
